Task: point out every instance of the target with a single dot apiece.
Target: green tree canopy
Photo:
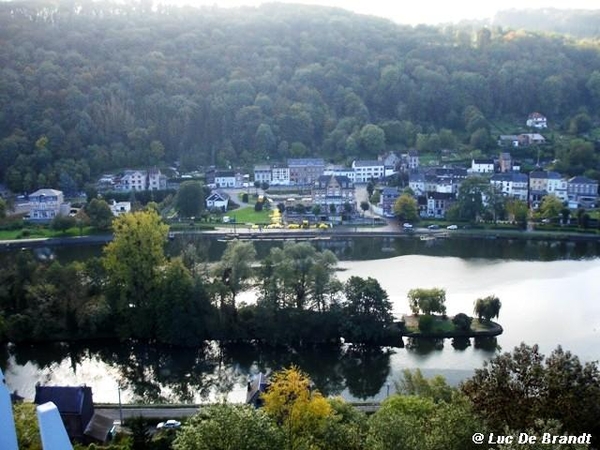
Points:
(229, 427)
(427, 301)
(487, 308)
(190, 199)
(99, 213)
(133, 262)
(406, 208)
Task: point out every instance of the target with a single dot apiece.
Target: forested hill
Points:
(90, 87)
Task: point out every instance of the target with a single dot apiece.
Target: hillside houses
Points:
(132, 180)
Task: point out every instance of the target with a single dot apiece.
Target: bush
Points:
(462, 322)
(426, 323)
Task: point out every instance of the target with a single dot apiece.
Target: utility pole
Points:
(120, 405)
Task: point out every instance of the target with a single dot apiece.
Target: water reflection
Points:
(154, 374)
(461, 343)
(369, 248)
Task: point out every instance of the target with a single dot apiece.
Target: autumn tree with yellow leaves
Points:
(301, 411)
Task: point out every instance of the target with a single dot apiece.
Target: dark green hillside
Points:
(86, 88)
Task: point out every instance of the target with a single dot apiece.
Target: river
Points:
(548, 290)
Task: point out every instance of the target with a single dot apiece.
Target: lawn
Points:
(249, 215)
(40, 232)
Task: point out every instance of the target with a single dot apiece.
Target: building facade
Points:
(365, 171)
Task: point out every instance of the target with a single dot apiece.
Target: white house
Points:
(339, 171)
(118, 208)
(537, 120)
(133, 180)
(511, 184)
(263, 173)
(482, 166)
(365, 171)
(156, 180)
(217, 200)
(280, 176)
(46, 204)
(225, 179)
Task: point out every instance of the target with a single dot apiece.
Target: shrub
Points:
(462, 322)
(426, 323)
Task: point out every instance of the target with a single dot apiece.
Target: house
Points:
(482, 166)
(305, 171)
(391, 162)
(435, 205)
(542, 183)
(119, 208)
(389, 195)
(334, 190)
(132, 180)
(537, 120)
(412, 159)
(217, 200)
(280, 175)
(156, 180)
(365, 171)
(76, 408)
(262, 173)
(340, 171)
(511, 184)
(447, 179)
(505, 162)
(416, 181)
(45, 204)
(225, 179)
(583, 191)
(508, 140)
(527, 139)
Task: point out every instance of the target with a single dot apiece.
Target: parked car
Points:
(433, 227)
(452, 227)
(407, 225)
(171, 423)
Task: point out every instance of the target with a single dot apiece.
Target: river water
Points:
(548, 291)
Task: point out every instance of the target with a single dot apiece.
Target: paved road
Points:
(164, 412)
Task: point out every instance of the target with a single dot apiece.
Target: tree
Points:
(516, 389)
(414, 383)
(469, 200)
(229, 427)
(62, 223)
(365, 206)
(370, 188)
(99, 213)
(301, 411)
(406, 208)
(462, 322)
(487, 308)
(298, 275)
(133, 262)
(234, 269)
(367, 310)
(372, 139)
(190, 199)
(427, 300)
(518, 211)
(550, 207)
(375, 198)
(3, 208)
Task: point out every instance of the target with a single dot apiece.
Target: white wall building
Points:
(365, 171)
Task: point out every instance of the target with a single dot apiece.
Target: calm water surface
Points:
(549, 295)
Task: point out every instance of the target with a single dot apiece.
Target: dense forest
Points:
(92, 87)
